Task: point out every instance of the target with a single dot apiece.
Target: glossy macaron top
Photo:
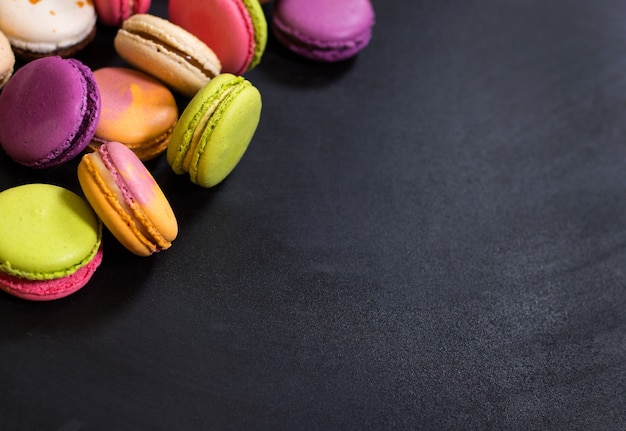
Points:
(47, 26)
(236, 30)
(49, 110)
(7, 60)
(127, 198)
(114, 12)
(46, 232)
(215, 130)
(137, 110)
(326, 30)
(168, 52)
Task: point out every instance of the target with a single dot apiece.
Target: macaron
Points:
(50, 242)
(38, 28)
(236, 30)
(49, 110)
(113, 13)
(138, 110)
(323, 30)
(215, 129)
(167, 52)
(127, 199)
(7, 60)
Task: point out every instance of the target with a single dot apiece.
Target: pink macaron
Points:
(114, 12)
(236, 30)
(49, 111)
(323, 30)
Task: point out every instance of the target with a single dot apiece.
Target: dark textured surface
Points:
(430, 236)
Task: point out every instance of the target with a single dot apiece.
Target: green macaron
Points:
(46, 232)
(215, 129)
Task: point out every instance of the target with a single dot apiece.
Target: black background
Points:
(430, 236)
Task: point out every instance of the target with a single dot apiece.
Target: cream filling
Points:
(192, 151)
(174, 50)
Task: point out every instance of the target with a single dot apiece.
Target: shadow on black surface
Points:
(185, 197)
(286, 67)
(104, 296)
(14, 174)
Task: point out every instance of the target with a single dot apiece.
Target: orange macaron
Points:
(127, 199)
(138, 111)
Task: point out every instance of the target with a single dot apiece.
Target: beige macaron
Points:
(7, 60)
(167, 52)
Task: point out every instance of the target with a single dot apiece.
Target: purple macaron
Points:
(49, 111)
(323, 30)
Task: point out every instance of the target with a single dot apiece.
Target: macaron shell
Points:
(114, 12)
(259, 24)
(112, 213)
(193, 120)
(145, 191)
(141, 6)
(48, 290)
(46, 26)
(232, 127)
(137, 110)
(223, 25)
(168, 52)
(125, 218)
(215, 130)
(48, 112)
(325, 30)
(46, 232)
(7, 60)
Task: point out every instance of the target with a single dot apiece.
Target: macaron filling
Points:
(215, 130)
(203, 128)
(199, 127)
(182, 55)
(144, 150)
